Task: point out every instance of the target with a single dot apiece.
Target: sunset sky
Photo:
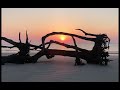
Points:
(40, 21)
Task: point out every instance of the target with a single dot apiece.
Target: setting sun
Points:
(62, 37)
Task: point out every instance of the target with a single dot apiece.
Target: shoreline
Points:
(60, 69)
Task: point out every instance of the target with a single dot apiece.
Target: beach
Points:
(87, 33)
(60, 69)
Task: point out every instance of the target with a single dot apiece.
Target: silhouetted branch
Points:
(63, 33)
(8, 47)
(74, 42)
(26, 37)
(9, 41)
(19, 38)
(82, 31)
(65, 45)
(16, 44)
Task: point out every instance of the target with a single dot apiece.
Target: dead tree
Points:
(97, 54)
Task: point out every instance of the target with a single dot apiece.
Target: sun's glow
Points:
(62, 37)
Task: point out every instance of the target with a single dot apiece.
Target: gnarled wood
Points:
(95, 55)
(63, 33)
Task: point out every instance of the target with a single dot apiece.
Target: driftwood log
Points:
(96, 55)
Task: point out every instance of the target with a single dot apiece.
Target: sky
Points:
(40, 21)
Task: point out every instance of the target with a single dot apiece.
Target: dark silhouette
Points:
(100, 45)
(22, 56)
(97, 55)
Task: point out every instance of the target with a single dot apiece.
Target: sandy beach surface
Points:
(60, 69)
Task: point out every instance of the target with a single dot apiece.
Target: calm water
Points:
(113, 48)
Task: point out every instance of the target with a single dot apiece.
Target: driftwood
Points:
(98, 51)
(96, 55)
(23, 55)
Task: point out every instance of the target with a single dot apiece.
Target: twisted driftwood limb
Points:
(63, 33)
(51, 52)
(63, 44)
(8, 47)
(77, 60)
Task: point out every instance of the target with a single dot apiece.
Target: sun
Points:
(62, 37)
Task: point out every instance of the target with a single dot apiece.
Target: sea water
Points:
(113, 48)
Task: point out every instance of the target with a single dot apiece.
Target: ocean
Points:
(113, 48)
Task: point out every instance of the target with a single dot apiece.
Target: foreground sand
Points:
(60, 69)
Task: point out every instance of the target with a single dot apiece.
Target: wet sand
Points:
(60, 69)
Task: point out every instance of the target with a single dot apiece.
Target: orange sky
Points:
(40, 21)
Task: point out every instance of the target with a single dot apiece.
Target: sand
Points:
(60, 69)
